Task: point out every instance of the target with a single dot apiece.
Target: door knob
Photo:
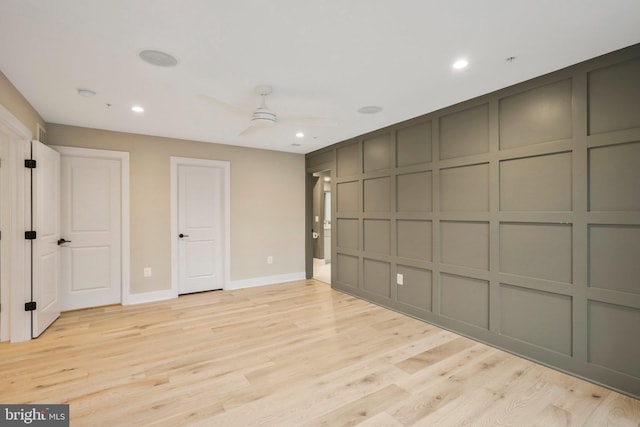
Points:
(182, 235)
(62, 241)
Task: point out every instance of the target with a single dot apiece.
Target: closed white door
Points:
(91, 227)
(45, 199)
(200, 227)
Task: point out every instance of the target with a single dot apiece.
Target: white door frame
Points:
(226, 221)
(123, 158)
(19, 290)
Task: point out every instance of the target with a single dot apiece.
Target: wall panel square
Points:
(377, 153)
(347, 269)
(614, 257)
(543, 251)
(465, 299)
(613, 337)
(347, 233)
(413, 144)
(377, 235)
(538, 115)
(614, 97)
(416, 290)
(540, 183)
(465, 132)
(348, 160)
(465, 188)
(414, 239)
(318, 159)
(348, 196)
(465, 244)
(537, 317)
(414, 192)
(377, 195)
(614, 178)
(377, 277)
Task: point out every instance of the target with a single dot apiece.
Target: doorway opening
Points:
(321, 226)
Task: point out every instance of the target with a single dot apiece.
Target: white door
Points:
(45, 206)
(91, 226)
(200, 226)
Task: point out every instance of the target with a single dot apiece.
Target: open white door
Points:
(45, 182)
(201, 223)
(5, 216)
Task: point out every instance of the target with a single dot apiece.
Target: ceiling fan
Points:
(263, 117)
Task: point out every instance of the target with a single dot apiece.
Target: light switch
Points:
(399, 279)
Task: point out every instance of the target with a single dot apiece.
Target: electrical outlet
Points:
(147, 272)
(400, 279)
(269, 259)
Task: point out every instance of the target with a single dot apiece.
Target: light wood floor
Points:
(295, 354)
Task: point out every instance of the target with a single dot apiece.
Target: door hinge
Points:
(29, 235)
(30, 306)
(30, 163)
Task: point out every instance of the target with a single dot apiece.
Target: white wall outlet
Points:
(269, 259)
(147, 272)
(317, 218)
(400, 279)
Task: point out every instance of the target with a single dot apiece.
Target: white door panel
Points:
(200, 222)
(46, 223)
(91, 222)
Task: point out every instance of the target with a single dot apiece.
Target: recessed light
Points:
(157, 58)
(86, 92)
(460, 64)
(137, 109)
(299, 135)
(370, 109)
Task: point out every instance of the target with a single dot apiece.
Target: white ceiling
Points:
(324, 58)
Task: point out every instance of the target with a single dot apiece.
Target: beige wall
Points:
(267, 202)
(13, 101)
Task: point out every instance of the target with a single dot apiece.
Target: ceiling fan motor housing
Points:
(263, 116)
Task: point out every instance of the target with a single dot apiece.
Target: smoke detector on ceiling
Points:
(157, 58)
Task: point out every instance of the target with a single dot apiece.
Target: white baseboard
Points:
(153, 296)
(143, 297)
(266, 280)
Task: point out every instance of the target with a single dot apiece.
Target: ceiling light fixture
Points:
(460, 64)
(137, 109)
(370, 109)
(299, 135)
(157, 58)
(88, 93)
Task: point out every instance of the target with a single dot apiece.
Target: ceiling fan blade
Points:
(256, 127)
(324, 122)
(250, 130)
(222, 104)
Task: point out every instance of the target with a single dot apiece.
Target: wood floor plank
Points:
(289, 354)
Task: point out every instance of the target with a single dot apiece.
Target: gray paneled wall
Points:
(513, 218)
